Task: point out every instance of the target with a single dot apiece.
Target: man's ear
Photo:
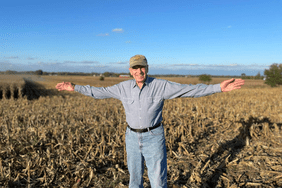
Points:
(130, 71)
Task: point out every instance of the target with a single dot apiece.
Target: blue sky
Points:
(218, 37)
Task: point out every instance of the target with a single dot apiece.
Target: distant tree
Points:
(273, 75)
(205, 78)
(243, 75)
(258, 76)
(10, 72)
(107, 74)
(102, 78)
(38, 72)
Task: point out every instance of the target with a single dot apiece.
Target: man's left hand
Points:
(229, 85)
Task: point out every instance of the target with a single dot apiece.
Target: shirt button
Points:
(139, 108)
(139, 117)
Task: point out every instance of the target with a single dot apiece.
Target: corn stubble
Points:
(224, 140)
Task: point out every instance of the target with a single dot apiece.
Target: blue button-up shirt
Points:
(143, 107)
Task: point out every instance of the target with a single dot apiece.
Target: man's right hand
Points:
(65, 86)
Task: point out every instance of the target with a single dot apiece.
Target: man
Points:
(143, 100)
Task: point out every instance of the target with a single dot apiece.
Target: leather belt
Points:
(144, 130)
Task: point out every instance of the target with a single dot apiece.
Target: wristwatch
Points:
(73, 85)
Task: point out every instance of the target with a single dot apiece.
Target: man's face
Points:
(139, 73)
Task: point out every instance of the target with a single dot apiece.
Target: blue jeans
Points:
(149, 147)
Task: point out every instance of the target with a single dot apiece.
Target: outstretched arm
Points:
(68, 86)
(95, 92)
(229, 85)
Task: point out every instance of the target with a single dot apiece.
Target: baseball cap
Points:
(138, 60)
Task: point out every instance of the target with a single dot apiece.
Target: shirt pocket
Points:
(128, 104)
(128, 100)
(154, 99)
(154, 103)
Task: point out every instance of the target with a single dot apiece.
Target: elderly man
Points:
(143, 100)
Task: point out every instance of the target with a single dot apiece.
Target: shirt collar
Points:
(146, 83)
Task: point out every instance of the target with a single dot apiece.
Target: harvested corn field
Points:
(11, 87)
(64, 139)
(17, 87)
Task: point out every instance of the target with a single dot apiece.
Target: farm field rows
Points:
(64, 139)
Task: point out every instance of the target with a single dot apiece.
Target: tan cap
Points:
(138, 60)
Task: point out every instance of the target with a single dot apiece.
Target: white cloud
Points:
(122, 63)
(229, 26)
(4, 66)
(81, 62)
(118, 63)
(101, 66)
(70, 62)
(233, 65)
(118, 30)
(89, 62)
(103, 35)
(183, 64)
(222, 65)
(53, 64)
(12, 57)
